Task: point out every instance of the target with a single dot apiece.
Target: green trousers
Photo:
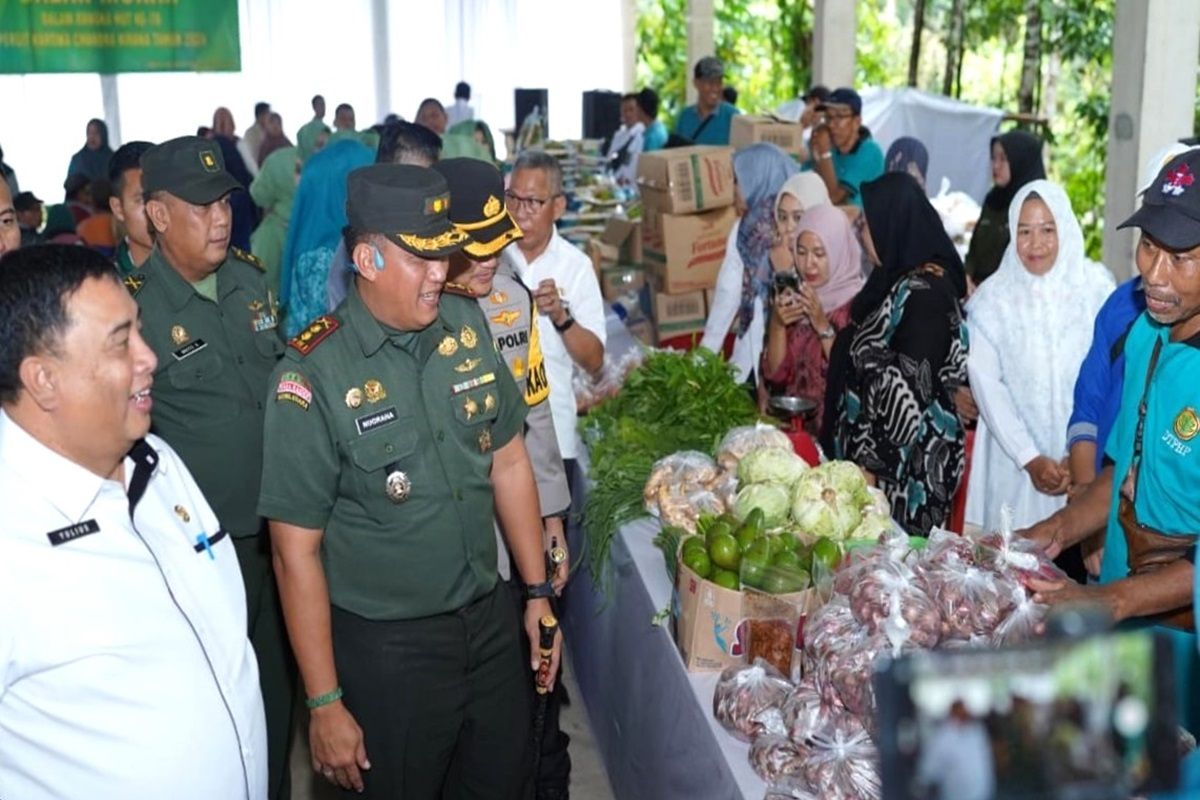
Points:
(276, 667)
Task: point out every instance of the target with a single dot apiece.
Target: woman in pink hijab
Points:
(800, 334)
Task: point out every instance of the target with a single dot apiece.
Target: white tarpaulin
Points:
(956, 134)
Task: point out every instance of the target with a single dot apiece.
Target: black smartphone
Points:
(787, 279)
(1091, 718)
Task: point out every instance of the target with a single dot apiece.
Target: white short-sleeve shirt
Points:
(125, 671)
(576, 280)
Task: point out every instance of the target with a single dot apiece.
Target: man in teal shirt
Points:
(843, 152)
(707, 122)
(1146, 497)
(655, 135)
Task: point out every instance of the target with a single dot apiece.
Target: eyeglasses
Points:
(531, 205)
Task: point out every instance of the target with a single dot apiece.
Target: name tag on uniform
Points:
(264, 322)
(73, 532)
(190, 349)
(371, 422)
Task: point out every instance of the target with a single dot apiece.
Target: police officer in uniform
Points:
(393, 433)
(211, 321)
(477, 208)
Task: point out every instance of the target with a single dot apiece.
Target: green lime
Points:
(786, 559)
(745, 537)
(725, 579)
(826, 553)
(754, 562)
(756, 520)
(716, 529)
(791, 541)
(784, 581)
(724, 551)
(804, 556)
(697, 561)
(694, 543)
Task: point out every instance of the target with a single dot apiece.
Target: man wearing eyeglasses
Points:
(565, 289)
(843, 152)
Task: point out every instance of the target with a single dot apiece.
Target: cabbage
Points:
(771, 465)
(872, 526)
(822, 508)
(845, 476)
(771, 498)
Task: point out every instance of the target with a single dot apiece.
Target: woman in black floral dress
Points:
(894, 369)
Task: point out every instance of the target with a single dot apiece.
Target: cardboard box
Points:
(710, 629)
(684, 180)
(788, 136)
(685, 251)
(618, 281)
(677, 314)
(626, 237)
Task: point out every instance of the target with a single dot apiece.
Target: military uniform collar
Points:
(178, 290)
(372, 335)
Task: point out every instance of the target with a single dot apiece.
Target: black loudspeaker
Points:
(524, 101)
(601, 114)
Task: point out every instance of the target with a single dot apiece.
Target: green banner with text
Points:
(111, 36)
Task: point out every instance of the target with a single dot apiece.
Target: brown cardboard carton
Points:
(788, 136)
(685, 251)
(626, 236)
(684, 180)
(677, 314)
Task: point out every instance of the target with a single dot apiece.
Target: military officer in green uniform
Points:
(128, 207)
(213, 324)
(477, 208)
(394, 431)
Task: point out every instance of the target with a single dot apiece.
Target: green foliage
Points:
(662, 54)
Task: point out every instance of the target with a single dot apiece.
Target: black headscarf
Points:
(1024, 153)
(92, 163)
(907, 233)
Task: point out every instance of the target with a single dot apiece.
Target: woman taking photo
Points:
(894, 369)
(812, 307)
(1030, 328)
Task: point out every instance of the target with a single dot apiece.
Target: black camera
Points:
(788, 279)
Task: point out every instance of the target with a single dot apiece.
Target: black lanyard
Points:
(1136, 464)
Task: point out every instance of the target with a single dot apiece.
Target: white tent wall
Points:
(293, 49)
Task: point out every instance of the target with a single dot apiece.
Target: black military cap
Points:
(477, 205)
(190, 168)
(408, 204)
(1170, 210)
(26, 201)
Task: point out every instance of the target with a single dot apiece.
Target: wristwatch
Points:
(536, 590)
(828, 333)
(566, 325)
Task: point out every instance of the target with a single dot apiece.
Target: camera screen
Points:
(1080, 719)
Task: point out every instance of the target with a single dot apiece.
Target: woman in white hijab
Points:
(1030, 326)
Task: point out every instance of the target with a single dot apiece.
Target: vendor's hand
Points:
(535, 609)
(553, 537)
(1048, 535)
(788, 307)
(1048, 476)
(336, 743)
(1093, 552)
(549, 302)
(811, 305)
(821, 141)
(964, 404)
(1054, 593)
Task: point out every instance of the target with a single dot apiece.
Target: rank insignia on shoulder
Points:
(134, 283)
(453, 287)
(317, 331)
(294, 388)
(249, 258)
(498, 298)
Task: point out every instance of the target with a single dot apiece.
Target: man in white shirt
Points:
(627, 142)
(254, 135)
(564, 285)
(461, 111)
(125, 670)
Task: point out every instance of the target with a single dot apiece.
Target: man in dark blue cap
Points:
(393, 435)
(1145, 498)
(843, 152)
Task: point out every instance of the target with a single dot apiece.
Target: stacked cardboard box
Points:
(687, 201)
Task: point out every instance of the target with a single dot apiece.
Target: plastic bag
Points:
(849, 671)
(773, 757)
(743, 693)
(887, 597)
(1023, 621)
(771, 625)
(725, 487)
(971, 600)
(741, 440)
(946, 547)
(842, 764)
(684, 509)
(790, 787)
(828, 625)
(677, 490)
(803, 712)
(1014, 556)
